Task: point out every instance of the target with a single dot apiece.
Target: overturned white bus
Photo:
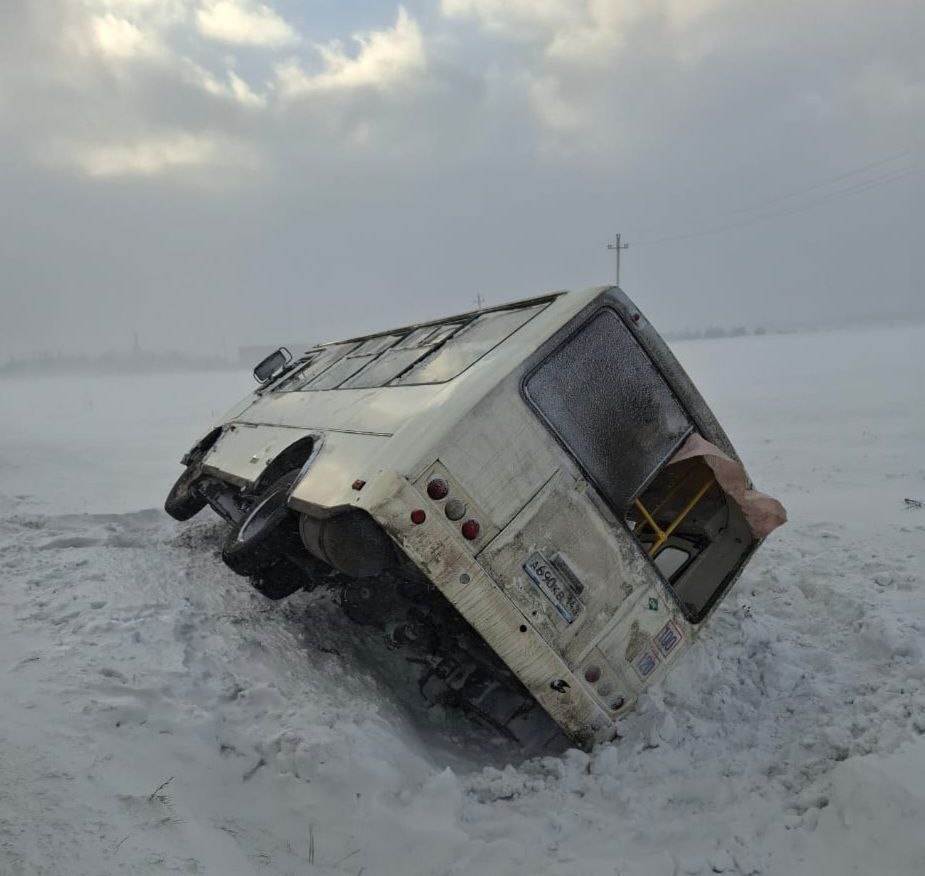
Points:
(546, 465)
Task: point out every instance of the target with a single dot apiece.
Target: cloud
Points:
(243, 93)
(494, 147)
(552, 108)
(119, 30)
(385, 57)
(514, 18)
(244, 23)
(582, 31)
(120, 38)
(152, 155)
(172, 85)
(229, 86)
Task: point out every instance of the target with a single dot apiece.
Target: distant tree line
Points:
(882, 320)
(715, 331)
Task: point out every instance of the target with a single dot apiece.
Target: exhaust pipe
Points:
(351, 542)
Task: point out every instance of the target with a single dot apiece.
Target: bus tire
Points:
(184, 501)
(278, 581)
(268, 531)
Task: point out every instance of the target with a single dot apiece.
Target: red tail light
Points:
(437, 489)
(470, 529)
(593, 674)
(418, 516)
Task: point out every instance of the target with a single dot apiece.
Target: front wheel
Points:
(267, 533)
(184, 500)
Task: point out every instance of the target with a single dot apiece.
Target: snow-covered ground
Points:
(157, 716)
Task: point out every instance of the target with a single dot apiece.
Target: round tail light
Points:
(470, 529)
(418, 516)
(455, 509)
(437, 489)
(593, 674)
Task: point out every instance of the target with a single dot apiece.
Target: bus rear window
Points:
(608, 405)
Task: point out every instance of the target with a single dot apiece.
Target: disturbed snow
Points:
(158, 716)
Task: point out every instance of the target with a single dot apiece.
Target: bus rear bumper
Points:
(444, 558)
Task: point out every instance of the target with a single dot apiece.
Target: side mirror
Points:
(268, 368)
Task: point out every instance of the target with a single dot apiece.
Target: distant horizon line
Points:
(142, 361)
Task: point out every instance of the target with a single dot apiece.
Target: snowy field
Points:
(157, 716)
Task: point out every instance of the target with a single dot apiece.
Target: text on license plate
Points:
(547, 578)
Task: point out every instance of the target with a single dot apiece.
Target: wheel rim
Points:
(259, 516)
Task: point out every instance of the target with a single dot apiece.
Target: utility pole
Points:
(478, 301)
(616, 245)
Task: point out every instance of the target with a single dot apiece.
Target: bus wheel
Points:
(184, 501)
(266, 533)
(278, 581)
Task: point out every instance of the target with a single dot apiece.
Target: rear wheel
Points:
(267, 533)
(278, 581)
(184, 501)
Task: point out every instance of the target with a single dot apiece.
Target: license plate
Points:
(550, 582)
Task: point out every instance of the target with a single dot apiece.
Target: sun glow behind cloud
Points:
(119, 38)
(559, 65)
(172, 44)
(244, 23)
(384, 58)
(149, 156)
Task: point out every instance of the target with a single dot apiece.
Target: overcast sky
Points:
(219, 172)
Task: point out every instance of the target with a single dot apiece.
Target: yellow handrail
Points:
(662, 535)
(661, 504)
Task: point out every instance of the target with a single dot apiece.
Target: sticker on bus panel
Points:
(550, 582)
(668, 637)
(646, 663)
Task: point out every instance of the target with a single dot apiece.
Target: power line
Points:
(821, 184)
(860, 186)
(751, 208)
